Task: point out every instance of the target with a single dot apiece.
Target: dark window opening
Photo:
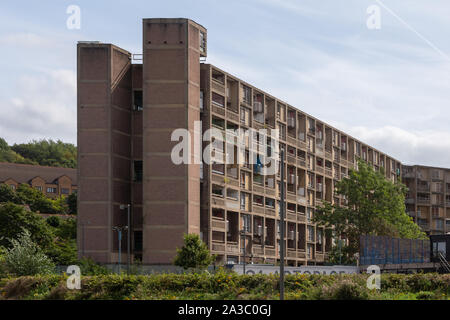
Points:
(138, 171)
(138, 241)
(138, 101)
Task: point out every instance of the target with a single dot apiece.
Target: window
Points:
(202, 42)
(218, 100)
(439, 247)
(247, 223)
(201, 100)
(12, 186)
(38, 188)
(64, 191)
(138, 170)
(270, 203)
(247, 94)
(138, 102)
(258, 200)
(138, 241)
(51, 190)
(217, 190)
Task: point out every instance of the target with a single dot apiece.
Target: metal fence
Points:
(386, 250)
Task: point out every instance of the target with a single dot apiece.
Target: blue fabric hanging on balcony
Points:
(258, 166)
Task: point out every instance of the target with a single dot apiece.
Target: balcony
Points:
(423, 188)
(422, 200)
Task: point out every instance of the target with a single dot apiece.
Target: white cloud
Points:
(43, 106)
(25, 39)
(427, 147)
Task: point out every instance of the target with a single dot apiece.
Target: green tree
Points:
(14, 218)
(48, 153)
(38, 201)
(63, 250)
(72, 203)
(8, 155)
(7, 194)
(375, 206)
(194, 254)
(25, 258)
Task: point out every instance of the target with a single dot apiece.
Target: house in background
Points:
(52, 181)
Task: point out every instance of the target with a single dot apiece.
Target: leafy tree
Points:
(194, 254)
(67, 229)
(72, 203)
(63, 250)
(8, 155)
(25, 258)
(54, 221)
(14, 218)
(38, 201)
(7, 194)
(48, 153)
(375, 206)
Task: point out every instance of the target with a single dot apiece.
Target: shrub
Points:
(425, 295)
(345, 289)
(26, 258)
(90, 267)
(194, 254)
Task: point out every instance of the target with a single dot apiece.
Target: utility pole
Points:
(245, 254)
(282, 227)
(128, 207)
(119, 235)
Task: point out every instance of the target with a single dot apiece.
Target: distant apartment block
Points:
(127, 111)
(428, 199)
(52, 181)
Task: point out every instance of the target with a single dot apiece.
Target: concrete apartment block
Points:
(428, 199)
(126, 114)
(171, 87)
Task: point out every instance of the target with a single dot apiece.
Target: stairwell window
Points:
(202, 42)
(138, 101)
(138, 171)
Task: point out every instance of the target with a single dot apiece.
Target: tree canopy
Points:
(40, 152)
(374, 206)
(194, 254)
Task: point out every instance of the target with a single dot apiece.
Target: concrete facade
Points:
(428, 198)
(126, 115)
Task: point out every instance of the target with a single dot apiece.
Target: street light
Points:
(282, 226)
(119, 234)
(128, 207)
(245, 254)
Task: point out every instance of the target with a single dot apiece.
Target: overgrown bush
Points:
(26, 258)
(223, 285)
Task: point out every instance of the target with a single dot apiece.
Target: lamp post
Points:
(119, 235)
(282, 227)
(128, 207)
(245, 254)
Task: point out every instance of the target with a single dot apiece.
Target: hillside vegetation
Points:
(42, 152)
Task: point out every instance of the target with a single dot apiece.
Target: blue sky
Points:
(389, 87)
